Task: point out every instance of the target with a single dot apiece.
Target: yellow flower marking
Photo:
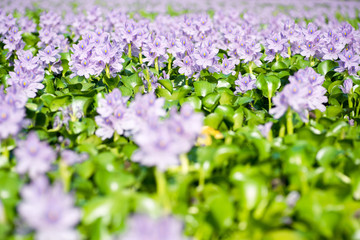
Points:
(205, 138)
(3, 115)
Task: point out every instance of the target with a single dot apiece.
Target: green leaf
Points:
(326, 66)
(279, 66)
(132, 81)
(203, 88)
(167, 84)
(194, 101)
(268, 85)
(211, 100)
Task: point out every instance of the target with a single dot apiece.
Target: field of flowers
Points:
(169, 120)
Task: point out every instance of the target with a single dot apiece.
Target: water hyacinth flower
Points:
(71, 157)
(265, 129)
(304, 93)
(347, 86)
(49, 55)
(33, 156)
(161, 143)
(141, 227)
(244, 84)
(11, 119)
(205, 57)
(49, 211)
(113, 115)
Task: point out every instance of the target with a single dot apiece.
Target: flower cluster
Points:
(33, 156)
(96, 53)
(160, 141)
(49, 211)
(304, 93)
(144, 227)
(244, 84)
(12, 111)
(28, 73)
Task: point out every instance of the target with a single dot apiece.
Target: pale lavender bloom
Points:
(276, 42)
(346, 88)
(265, 129)
(227, 66)
(33, 156)
(205, 57)
(82, 49)
(27, 60)
(186, 126)
(186, 66)
(244, 84)
(84, 67)
(105, 53)
(157, 147)
(49, 211)
(294, 96)
(330, 52)
(106, 128)
(311, 32)
(308, 49)
(144, 108)
(30, 88)
(350, 59)
(49, 55)
(11, 119)
(158, 46)
(71, 157)
(316, 97)
(141, 227)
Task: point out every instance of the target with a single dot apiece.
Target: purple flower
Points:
(71, 157)
(157, 147)
(105, 53)
(330, 52)
(34, 157)
(276, 42)
(141, 227)
(205, 57)
(311, 32)
(186, 66)
(27, 60)
(244, 84)
(265, 129)
(49, 211)
(346, 88)
(227, 66)
(293, 96)
(11, 119)
(316, 97)
(83, 67)
(308, 49)
(49, 55)
(350, 59)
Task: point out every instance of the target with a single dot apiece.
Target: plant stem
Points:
(289, 123)
(148, 79)
(282, 130)
(184, 163)
(129, 50)
(157, 65)
(107, 71)
(140, 57)
(65, 174)
(169, 64)
(269, 100)
(162, 189)
(250, 68)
